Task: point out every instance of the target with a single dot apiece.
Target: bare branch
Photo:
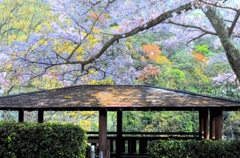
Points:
(219, 6)
(234, 23)
(41, 74)
(88, 33)
(9, 90)
(192, 26)
(196, 38)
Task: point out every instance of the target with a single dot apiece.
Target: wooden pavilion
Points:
(104, 98)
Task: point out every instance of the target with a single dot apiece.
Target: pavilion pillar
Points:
(201, 125)
(212, 124)
(40, 116)
(120, 146)
(103, 133)
(219, 124)
(216, 124)
(21, 116)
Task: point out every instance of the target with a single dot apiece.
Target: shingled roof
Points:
(126, 97)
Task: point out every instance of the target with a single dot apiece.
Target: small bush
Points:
(33, 140)
(166, 149)
(194, 149)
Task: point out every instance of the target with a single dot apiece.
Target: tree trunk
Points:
(218, 23)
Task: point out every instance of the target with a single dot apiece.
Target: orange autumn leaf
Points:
(99, 17)
(106, 16)
(94, 16)
(152, 50)
(151, 70)
(148, 72)
(200, 57)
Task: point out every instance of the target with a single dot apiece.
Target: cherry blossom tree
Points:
(87, 39)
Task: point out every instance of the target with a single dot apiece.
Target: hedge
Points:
(33, 140)
(194, 149)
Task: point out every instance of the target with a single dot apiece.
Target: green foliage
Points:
(231, 125)
(131, 121)
(171, 78)
(204, 49)
(168, 121)
(166, 149)
(32, 140)
(183, 60)
(164, 121)
(193, 149)
(218, 68)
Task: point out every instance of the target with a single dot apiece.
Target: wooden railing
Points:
(134, 144)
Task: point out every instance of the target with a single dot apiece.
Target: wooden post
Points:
(201, 124)
(212, 124)
(20, 116)
(133, 146)
(103, 133)
(219, 124)
(205, 123)
(120, 144)
(40, 116)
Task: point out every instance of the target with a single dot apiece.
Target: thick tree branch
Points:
(150, 24)
(218, 23)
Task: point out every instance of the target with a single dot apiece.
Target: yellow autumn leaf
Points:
(8, 67)
(85, 124)
(79, 58)
(92, 40)
(93, 72)
(96, 31)
(80, 50)
(72, 114)
(67, 97)
(162, 60)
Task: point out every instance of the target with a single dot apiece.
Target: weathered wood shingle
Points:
(112, 97)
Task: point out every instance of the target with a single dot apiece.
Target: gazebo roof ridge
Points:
(194, 93)
(62, 88)
(114, 97)
(137, 85)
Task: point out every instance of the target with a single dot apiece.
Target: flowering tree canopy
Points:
(77, 41)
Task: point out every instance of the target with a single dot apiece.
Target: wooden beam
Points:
(219, 124)
(20, 116)
(103, 133)
(40, 116)
(212, 124)
(120, 144)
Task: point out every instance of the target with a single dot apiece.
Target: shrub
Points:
(33, 140)
(166, 149)
(193, 149)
